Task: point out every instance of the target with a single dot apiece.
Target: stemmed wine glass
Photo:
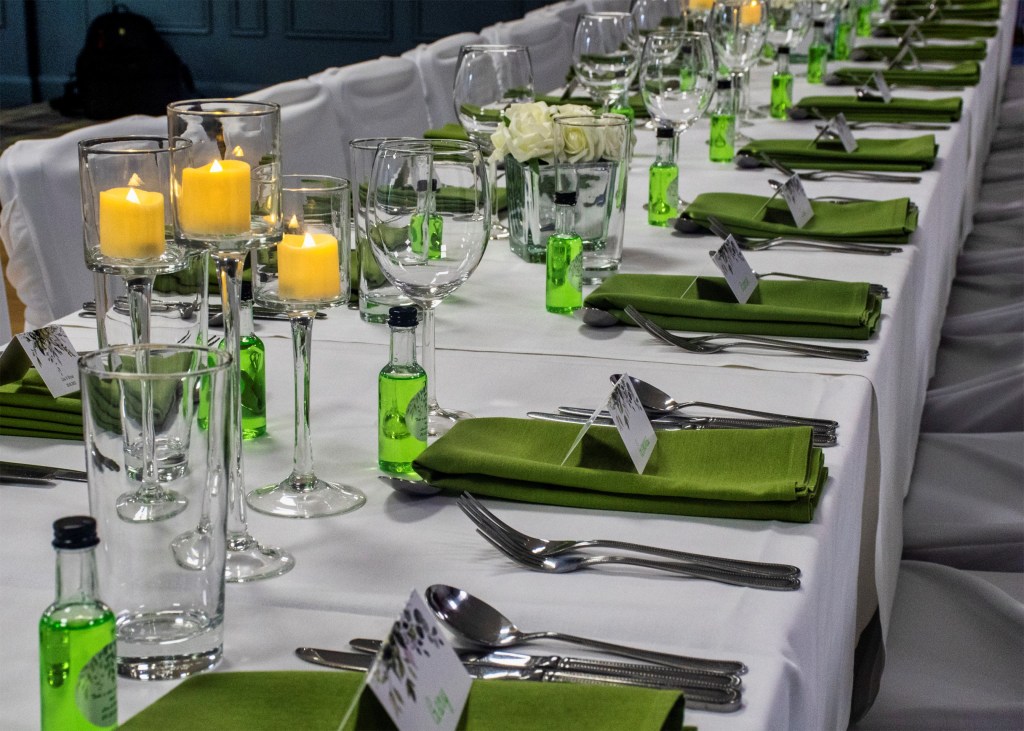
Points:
(427, 217)
(738, 29)
(227, 201)
(605, 54)
(677, 77)
(652, 15)
(788, 23)
(310, 272)
(488, 78)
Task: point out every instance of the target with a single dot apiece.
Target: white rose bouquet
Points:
(528, 133)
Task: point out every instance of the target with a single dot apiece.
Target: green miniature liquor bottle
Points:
(252, 358)
(663, 188)
(864, 19)
(722, 141)
(432, 222)
(841, 35)
(402, 398)
(817, 55)
(77, 638)
(563, 291)
(782, 85)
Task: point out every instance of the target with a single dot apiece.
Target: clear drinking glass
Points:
(488, 78)
(428, 217)
(652, 15)
(605, 54)
(737, 29)
(306, 272)
(227, 201)
(788, 23)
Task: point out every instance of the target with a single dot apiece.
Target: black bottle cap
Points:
(664, 133)
(76, 531)
(404, 316)
(725, 83)
(246, 291)
(819, 24)
(565, 198)
(784, 49)
(421, 185)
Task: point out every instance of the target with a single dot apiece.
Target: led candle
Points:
(131, 223)
(750, 14)
(214, 198)
(308, 267)
(700, 6)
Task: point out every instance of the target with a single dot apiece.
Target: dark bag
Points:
(126, 67)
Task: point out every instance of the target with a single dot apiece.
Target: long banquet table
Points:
(502, 355)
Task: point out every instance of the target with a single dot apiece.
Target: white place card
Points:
(632, 422)
(417, 676)
(879, 82)
(52, 354)
(734, 267)
(792, 191)
(842, 129)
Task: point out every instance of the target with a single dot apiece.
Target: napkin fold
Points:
(939, 29)
(965, 73)
(900, 109)
(757, 474)
(911, 154)
(312, 701)
(449, 131)
(28, 410)
(798, 308)
(974, 11)
(890, 221)
(974, 51)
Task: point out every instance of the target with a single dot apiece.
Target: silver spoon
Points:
(595, 317)
(478, 622)
(418, 488)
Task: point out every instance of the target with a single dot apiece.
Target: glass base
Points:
(498, 231)
(247, 560)
(311, 497)
(147, 507)
(193, 549)
(440, 420)
(169, 668)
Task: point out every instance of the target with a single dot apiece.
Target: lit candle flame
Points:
(132, 196)
(293, 224)
(308, 241)
(237, 152)
(135, 181)
(215, 167)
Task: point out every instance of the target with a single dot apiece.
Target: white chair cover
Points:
(974, 293)
(549, 43)
(1011, 113)
(993, 402)
(1005, 234)
(955, 650)
(437, 64)
(41, 218)
(378, 98)
(309, 127)
(5, 317)
(965, 505)
(1002, 199)
(1006, 319)
(1009, 262)
(1004, 165)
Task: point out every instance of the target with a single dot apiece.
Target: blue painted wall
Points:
(235, 46)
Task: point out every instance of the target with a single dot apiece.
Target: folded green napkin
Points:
(974, 11)
(636, 103)
(900, 109)
(890, 221)
(938, 29)
(910, 154)
(450, 131)
(974, 51)
(798, 308)
(28, 410)
(313, 701)
(758, 474)
(965, 73)
(449, 199)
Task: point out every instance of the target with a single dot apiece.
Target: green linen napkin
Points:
(938, 29)
(910, 154)
(900, 109)
(965, 73)
(450, 199)
(636, 103)
(890, 221)
(798, 308)
(450, 131)
(756, 474)
(975, 51)
(975, 11)
(28, 410)
(312, 701)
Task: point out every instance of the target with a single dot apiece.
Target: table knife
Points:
(14, 471)
(706, 699)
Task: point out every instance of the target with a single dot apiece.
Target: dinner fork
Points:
(861, 175)
(702, 344)
(489, 523)
(565, 563)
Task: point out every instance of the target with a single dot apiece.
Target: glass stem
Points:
(140, 297)
(428, 357)
(302, 343)
(99, 283)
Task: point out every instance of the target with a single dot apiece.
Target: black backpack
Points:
(126, 67)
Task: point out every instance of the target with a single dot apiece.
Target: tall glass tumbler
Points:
(168, 595)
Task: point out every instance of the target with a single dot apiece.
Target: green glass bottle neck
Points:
(246, 326)
(76, 576)
(665, 153)
(782, 66)
(403, 346)
(565, 219)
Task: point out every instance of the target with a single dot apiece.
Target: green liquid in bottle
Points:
(253, 359)
(723, 135)
(402, 417)
(817, 62)
(841, 41)
(564, 284)
(782, 94)
(864, 20)
(663, 194)
(78, 668)
(435, 227)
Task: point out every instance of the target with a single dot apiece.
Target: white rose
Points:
(614, 137)
(529, 132)
(579, 143)
(572, 110)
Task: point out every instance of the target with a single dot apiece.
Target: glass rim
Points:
(675, 33)
(608, 14)
(493, 47)
(607, 119)
(335, 183)
(423, 145)
(372, 143)
(92, 363)
(95, 144)
(245, 107)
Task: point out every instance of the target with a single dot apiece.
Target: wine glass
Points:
(488, 78)
(428, 217)
(309, 272)
(695, 13)
(652, 15)
(738, 29)
(227, 201)
(677, 77)
(605, 54)
(788, 23)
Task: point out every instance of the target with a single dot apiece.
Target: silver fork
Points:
(491, 524)
(861, 175)
(565, 563)
(702, 344)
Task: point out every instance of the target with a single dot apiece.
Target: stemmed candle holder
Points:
(227, 201)
(308, 273)
(128, 231)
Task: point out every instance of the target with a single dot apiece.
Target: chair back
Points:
(437, 64)
(549, 42)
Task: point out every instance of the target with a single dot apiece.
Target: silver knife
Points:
(721, 701)
(726, 421)
(15, 471)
